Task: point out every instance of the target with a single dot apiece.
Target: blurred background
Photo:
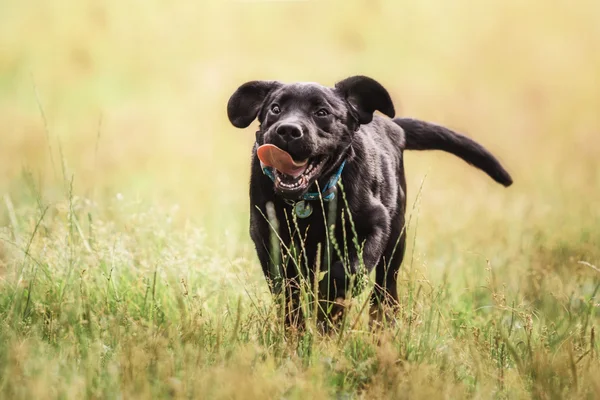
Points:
(128, 99)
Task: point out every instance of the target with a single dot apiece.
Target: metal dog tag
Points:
(303, 209)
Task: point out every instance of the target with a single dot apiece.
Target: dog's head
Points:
(314, 124)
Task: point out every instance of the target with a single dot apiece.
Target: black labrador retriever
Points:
(312, 141)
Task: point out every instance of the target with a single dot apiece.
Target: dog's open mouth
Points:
(291, 185)
(292, 177)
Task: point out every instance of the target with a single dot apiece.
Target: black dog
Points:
(321, 133)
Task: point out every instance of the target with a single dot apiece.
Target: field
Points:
(126, 268)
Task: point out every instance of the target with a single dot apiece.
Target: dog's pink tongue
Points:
(282, 161)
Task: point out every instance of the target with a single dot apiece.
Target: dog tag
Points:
(303, 209)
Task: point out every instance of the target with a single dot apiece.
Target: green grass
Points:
(126, 268)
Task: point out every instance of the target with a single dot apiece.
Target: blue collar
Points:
(329, 190)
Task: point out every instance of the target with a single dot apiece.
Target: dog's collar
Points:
(327, 193)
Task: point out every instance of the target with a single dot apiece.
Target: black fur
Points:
(425, 136)
(373, 178)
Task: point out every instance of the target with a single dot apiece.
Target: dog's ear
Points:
(245, 103)
(365, 95)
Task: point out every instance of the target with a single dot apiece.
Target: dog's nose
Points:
(289, 131)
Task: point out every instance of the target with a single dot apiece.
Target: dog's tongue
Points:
(273, 156)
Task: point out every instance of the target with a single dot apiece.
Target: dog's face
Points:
(314, 124)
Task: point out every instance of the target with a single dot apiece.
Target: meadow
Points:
(126, 268)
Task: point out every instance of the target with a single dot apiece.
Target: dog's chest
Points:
(327, 225)
(303, 220)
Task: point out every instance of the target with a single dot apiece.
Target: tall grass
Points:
(126, 269)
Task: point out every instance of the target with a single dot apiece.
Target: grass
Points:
(126, 269)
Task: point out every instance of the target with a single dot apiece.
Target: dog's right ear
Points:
(245, 103)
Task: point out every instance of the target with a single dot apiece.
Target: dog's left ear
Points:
(245, 103)
(365, 95)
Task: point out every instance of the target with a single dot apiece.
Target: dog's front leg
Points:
(378, 253)
(283, 283)
(372, 226)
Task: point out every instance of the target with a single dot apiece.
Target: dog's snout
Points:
(289, 132)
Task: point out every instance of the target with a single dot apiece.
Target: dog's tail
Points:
(421, 135)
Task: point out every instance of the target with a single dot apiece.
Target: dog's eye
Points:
(322, 113)
(275, 109)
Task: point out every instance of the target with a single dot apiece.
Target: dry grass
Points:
(126, 270)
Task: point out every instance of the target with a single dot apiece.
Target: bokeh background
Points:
(132, 96)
